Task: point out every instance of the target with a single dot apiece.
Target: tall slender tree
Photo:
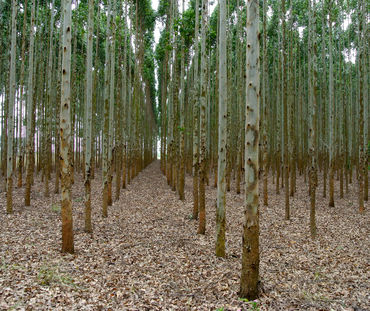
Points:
(331, 108)
(196, 116)
(65, 133)
(30, 104)
(250, 244)
(11, 99)
(88, 117)
(222, 121)
(202, 119)
(106, 118)
(312, 114)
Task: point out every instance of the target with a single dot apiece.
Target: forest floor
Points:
(147, 256)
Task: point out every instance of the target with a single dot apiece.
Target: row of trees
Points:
(77, 90)
(314, 96)
(86, 103)
(313, 116)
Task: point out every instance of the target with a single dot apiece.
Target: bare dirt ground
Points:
(147, 256)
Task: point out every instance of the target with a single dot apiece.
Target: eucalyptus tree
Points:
(182, 117)
(362, 170)
(112, 88)
(331, 107)
(21, 98)
(11, 102)
(48, 105)
(30, 105)
(222, 121)
(106, 145)
(264, 105)
(285, 111)
(202, 120)
(88, 117)
(312, 113)
(365, 51)
(250, 243)
(124, 99)
(65, 133)
(195, 97)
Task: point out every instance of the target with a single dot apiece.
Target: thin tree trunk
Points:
(222, 117)
(250, 244)
(20, 144)
(182, 116)
(88, 117)
(11, 98)
(195, 118)
(65, 134)
(312, 115)
(203, 105)
(30, 104)
(106, 118)
(331, 111)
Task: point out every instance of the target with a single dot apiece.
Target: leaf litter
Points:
(147, 256)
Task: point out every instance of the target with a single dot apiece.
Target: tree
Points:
(285, 113)
(30, 125)
(111, 97)
(106, 144)
(65, 133)
(47, 164)
(182, 119)
(222, 121)
(11, 98)
(88, 118)
(20, 103)
(195, 117)
(202, 132)
(331, 109)
(312, 115)
(250, 243)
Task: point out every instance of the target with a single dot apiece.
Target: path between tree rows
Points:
(146, 254)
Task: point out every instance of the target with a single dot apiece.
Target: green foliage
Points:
(253, 304)
(79, 199)
(55, 208)
(49, 275)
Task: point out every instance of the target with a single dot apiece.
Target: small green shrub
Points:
(49, 275)
(55, 208)
(253, 304)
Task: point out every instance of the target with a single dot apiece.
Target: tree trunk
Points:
(202, 132)
(222, 117)
(106, 165)
(30, 124)
(11, 98)
(195, 118)
(312, 115)
(331, 111)
(88, 117)
(250, 243)
(65, 134)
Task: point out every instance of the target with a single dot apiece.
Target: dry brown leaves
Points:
(147, 256)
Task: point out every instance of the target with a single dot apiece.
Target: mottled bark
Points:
(202, 119)
(222, 122)
(65, 134)
(88, 117)
(250, 243)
